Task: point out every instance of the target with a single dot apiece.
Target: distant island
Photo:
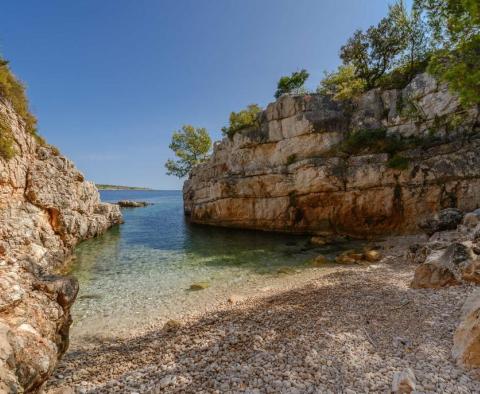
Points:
(117, 187)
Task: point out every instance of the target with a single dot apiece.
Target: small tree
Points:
(240, 120)
(342, 84)
(191, 145)
(415, 30)
(375, 51)
(292, 84)
(456, 28)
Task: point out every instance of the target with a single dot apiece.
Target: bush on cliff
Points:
(13, 90)
(248, 117)
(293, 84)
(342, 84)
(7, 150)
(191, 145)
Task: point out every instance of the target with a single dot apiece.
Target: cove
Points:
(139, 274)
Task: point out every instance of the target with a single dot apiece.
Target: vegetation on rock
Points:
(243, 119)
(343, 84)
(440, 36)
(191, 145)
(456, 28)
(7, 150)
(293, 84)
(14, 91)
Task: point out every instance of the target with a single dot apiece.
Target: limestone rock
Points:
(466, 341)
(447, 219)
(132, 204)
(445, 267)
(404, 382)
(288, 175)
(472, 219)
(372, 255)
(46, 208)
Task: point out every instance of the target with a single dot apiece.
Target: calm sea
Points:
(140, 272)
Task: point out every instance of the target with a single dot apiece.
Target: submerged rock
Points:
(319, 261)
(199, 286)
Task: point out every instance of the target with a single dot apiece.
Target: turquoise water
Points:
(140, 273)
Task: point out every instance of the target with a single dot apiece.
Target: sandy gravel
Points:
(345, 330)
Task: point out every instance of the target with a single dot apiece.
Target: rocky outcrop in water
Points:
(46, 208)
(289, 175)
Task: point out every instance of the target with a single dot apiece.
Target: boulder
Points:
(466, 341)
(445, 267)
(447, 219)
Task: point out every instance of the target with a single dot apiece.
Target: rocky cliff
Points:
(46, 208)
(291, 173)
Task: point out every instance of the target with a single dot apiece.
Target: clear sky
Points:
(110, 80)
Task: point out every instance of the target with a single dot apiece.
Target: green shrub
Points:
(342, 84)
(367, 141)
(398, 162)
(401, 76)
(55, 150)
(7, 150)
(13, 90)
(291, 159)
(248, 117)
(292, 84)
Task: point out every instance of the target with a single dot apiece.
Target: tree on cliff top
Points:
(456, 27)
(191, 145)
(374, 52)
(292, 84)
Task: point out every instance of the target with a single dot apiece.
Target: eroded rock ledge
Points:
(288, 176)
(46, 208)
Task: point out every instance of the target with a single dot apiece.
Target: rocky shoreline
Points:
(351, 328)
(47, 207)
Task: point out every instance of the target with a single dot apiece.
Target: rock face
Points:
(287, 175)
(46, 208)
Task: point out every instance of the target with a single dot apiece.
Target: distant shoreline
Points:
(117, 187)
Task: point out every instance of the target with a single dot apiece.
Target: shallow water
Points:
(140, 273)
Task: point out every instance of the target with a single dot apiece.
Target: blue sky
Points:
(111, 80)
